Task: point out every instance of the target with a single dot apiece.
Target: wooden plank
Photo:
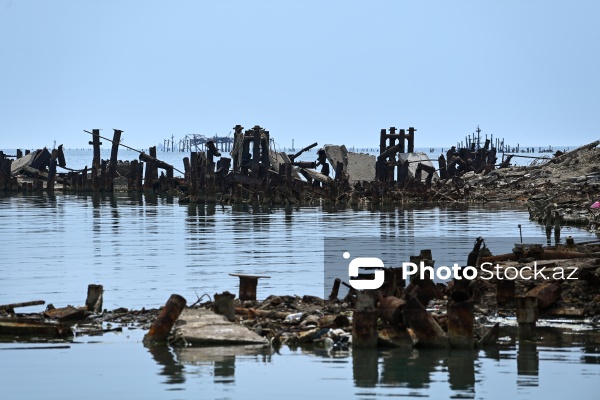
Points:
(24, 327)
(23, 304)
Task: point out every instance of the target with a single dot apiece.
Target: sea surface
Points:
(143, 248)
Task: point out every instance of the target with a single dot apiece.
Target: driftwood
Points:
(11, 307)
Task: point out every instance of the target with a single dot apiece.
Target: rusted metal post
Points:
(423, 325)
(223, 305)
(94, 298)
(460, 324)
(364, 321)
(335, 289)
(248, 284)
(527, 314)
(160, 329)
(390, 309)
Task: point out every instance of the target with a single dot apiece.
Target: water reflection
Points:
(222, 360)
(172, 370)
(528, 364)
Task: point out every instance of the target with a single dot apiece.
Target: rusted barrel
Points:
(159, 331)
(390, 309)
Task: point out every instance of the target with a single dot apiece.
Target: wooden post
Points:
(112, 171)
(223, 305)
(256, 152)
(149, 176)
(94, 298)
(61, 157)
(86, 181)
(443, 170)
(103, 166)
(193, 182)
(96, 146)
(139, 177)
(170, 181)
(186, 168)
(159, 331)
(51, 172)
(132, 176)
(556, 227)
(411, 140)
(364, 321)
(527, 314)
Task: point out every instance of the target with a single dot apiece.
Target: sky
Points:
(328, 71)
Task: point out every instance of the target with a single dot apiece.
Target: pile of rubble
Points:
(562, 189)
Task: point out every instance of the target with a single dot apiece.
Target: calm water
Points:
(142, 249)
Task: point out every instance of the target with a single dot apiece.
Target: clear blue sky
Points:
(326, 71)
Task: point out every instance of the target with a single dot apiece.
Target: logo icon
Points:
(364, 263)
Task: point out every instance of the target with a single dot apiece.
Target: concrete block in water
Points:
(359, 167)
(414, 159)
(205, 328)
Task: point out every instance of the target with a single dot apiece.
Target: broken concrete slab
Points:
(31, 162)
(278, 158)
(359, 167)
(205, 328)
(414, 159)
